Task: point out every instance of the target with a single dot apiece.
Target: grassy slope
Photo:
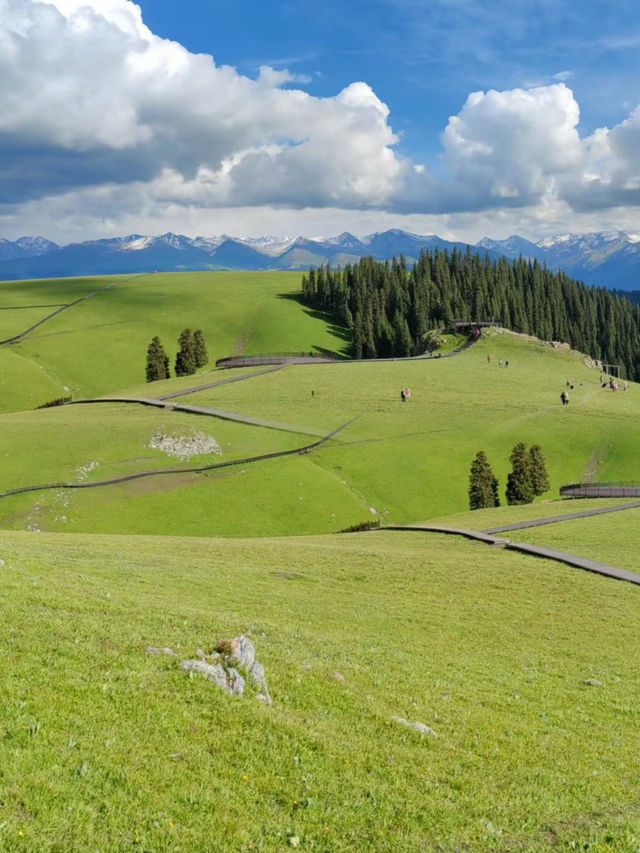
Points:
(485, 519)
(409, 461)
(613, 539)
(100, 345)
(104, 747)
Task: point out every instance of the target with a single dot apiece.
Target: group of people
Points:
(506, 364)
(405, 393)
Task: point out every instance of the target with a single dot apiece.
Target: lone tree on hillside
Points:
(200, 349)
(483, 486)
(157, 361)
(186, 359)
(538, 470)
(519, 485)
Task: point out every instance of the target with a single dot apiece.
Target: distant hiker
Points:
(565, 398)
(625, 386)
(488, 359)
(407, 393)
(499, 362)
(313, 393)
(403, 396)
(506, 364)
(568, 383)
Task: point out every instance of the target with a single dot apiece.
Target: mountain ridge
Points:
(608, 259)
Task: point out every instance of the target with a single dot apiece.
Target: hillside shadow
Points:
(330, 321)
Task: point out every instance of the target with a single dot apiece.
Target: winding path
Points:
(224, 414)
(306, 448)
(526, 548)
(67, 305)
(552, 519)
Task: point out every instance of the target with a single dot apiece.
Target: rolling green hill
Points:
(522, 667)
(103, 746)
(396, 461)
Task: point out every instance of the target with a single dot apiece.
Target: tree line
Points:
(389, 307)
(528, 478)
(191, 355)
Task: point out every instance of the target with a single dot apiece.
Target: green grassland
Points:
(100, 344)
(398, 462)
(105, 747)
(613, 538)
(486, 519)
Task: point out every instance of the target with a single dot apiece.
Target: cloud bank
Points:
(97, 111)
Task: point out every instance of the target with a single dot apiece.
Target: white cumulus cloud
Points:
(91, 96)
(98, 112)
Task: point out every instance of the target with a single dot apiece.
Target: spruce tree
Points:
(185, 359)
(538, 469)
(483, 486)
(519, 486)
(200, 349)
(157, 361)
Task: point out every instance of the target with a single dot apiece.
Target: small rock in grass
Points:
(419, 727)
(339, 677)
(592, 682)
(242, 651)
(223, 671)
(153, 650)
(294, 841)
(1, 562)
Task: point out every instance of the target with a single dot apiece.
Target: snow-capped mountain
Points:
(609, 259)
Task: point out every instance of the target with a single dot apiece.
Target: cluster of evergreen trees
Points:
(192, 354)
(528, 478)
(389, 307)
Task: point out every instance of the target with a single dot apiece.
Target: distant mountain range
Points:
(607, 259)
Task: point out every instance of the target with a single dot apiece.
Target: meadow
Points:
(105, 747)
(395, 462)
(520, 666)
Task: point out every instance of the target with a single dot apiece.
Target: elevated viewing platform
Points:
(614, 489)
(301, 357)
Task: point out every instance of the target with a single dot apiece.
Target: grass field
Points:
(613, 538)
(100, 344)
(104, 747)
(397, 461)
(524, 668)
(485, 519)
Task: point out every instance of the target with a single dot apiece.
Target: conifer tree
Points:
(483, 486)
(200, 349)
(157, 361)
(538, 471)
(185, 359)
(519, 486)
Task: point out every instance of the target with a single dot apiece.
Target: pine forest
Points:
(390, 307)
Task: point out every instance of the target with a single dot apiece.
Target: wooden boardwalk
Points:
(526, 548)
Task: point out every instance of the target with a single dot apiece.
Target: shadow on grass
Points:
(331, 321)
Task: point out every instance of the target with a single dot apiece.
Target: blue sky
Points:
(155, 142)
(423, 58)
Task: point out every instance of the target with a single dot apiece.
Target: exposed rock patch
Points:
(185, 446)
(230, 665)
(152, 650)
(423, 728)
